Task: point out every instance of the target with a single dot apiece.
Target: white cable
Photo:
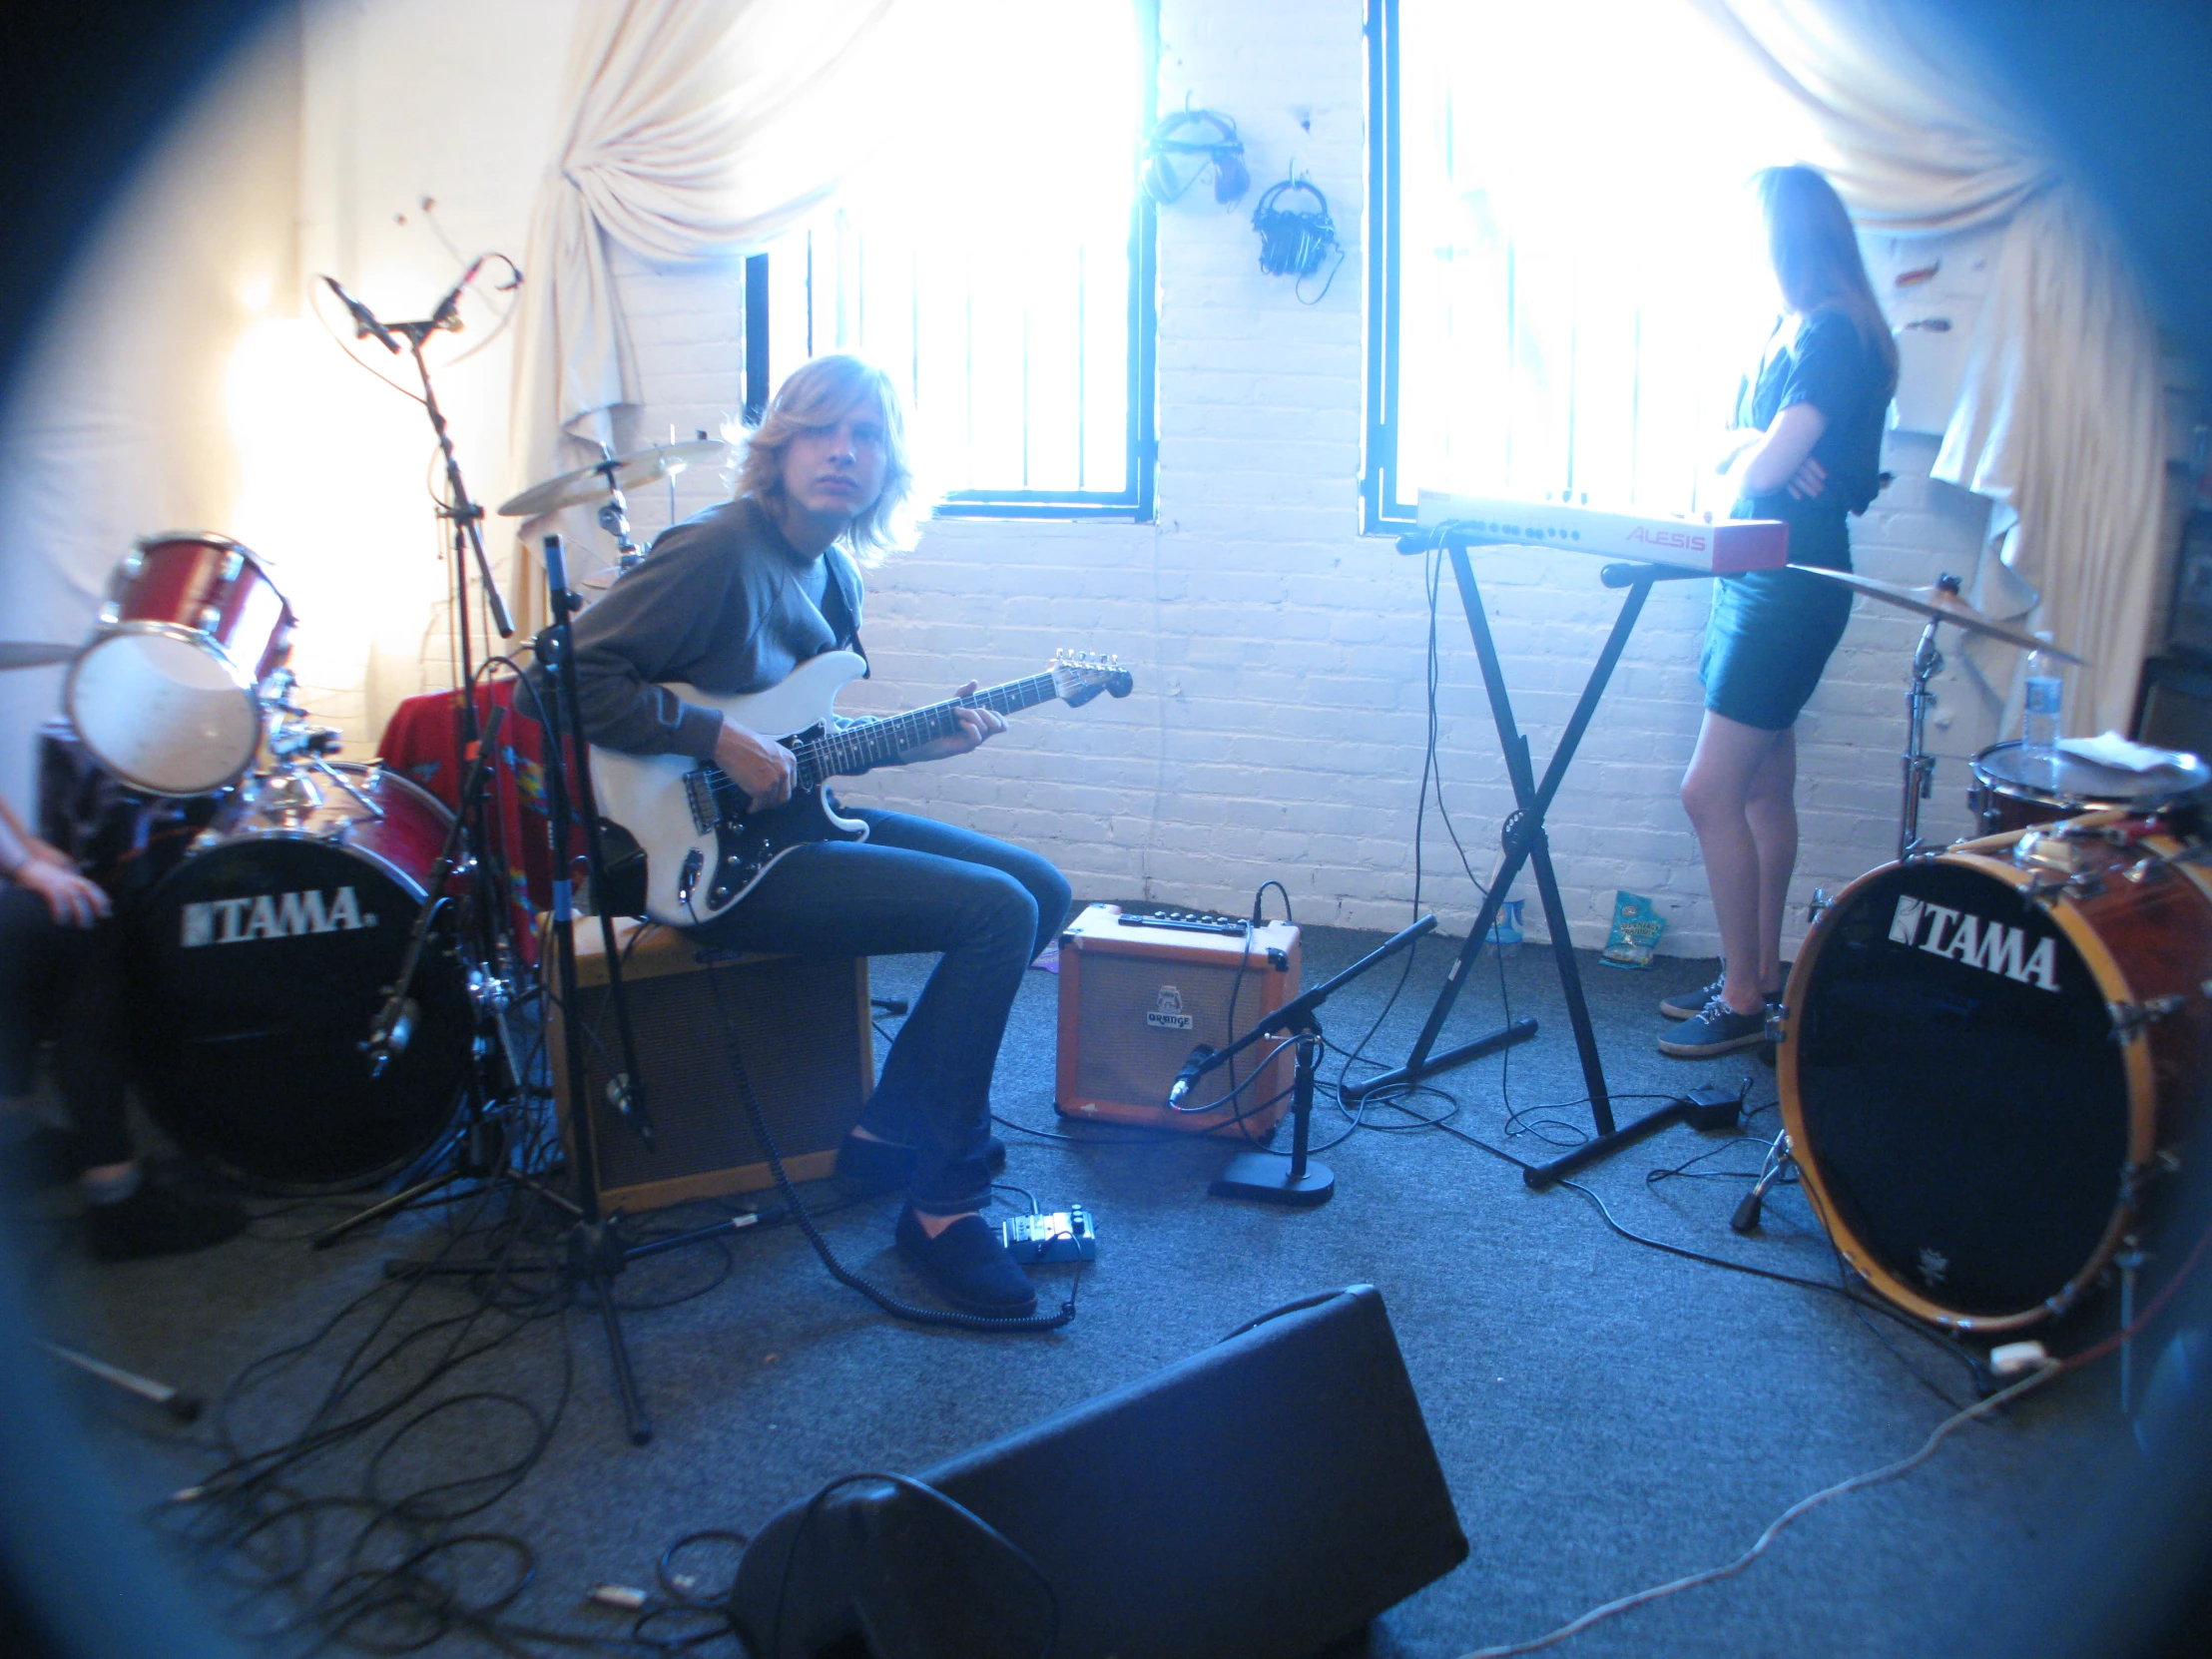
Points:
(1889, 1472)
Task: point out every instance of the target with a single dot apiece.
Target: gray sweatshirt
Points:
(723, 603)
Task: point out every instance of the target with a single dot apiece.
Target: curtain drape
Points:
(2059, 423)
(692, 129)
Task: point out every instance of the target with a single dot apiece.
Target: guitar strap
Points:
(836, 604)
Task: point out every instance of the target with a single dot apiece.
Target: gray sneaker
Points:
(1718, 1029)
(1690, 1004)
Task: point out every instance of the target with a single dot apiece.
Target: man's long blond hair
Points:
(818, 394)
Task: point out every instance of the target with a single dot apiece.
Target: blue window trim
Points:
(1381, 512)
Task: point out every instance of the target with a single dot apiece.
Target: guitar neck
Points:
(873, 743)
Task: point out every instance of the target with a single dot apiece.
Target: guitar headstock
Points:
(1079, 675)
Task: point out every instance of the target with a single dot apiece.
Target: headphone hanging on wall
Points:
(1294, 242)
(1205, 134)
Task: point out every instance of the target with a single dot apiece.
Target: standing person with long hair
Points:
(1806, 449)
(731, 601)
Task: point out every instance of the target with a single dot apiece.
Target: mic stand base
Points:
(1267, 1177)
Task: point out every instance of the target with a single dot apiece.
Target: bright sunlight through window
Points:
(1576, 281)
(991, 258)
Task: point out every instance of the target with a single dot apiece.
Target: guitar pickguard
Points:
(748, 846)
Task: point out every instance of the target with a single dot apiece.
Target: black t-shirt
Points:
(1832, 368)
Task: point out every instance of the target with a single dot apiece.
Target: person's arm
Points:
(1783, 456)
(44, 870)
(647, 628)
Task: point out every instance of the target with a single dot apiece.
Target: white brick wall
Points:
(1277, 725)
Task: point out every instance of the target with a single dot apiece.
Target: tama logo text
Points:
(1977, 941)
(282, 915)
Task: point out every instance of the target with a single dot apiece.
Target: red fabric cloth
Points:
(421, 742)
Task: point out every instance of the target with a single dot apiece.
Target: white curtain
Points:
(2059, 423)
(692, 129)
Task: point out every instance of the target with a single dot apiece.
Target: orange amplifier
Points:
(1137, 994)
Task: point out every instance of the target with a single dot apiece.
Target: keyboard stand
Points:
(1522, 838)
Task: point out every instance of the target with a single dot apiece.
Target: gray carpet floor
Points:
(1608, 1416)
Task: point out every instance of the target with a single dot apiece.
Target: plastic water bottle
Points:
(2039, 722)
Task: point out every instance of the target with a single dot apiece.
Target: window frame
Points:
(1380, 512)
(1136, 500)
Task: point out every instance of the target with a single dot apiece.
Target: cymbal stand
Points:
(1919, 765)
(614, 512)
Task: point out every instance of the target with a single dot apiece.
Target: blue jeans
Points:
(918, 887)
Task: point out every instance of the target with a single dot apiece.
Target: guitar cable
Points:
(942, 1318)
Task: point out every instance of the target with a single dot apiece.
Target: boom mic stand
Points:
(1299, 1183)
(596, 1248)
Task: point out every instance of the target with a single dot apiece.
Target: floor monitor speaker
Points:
(800, 1025)
(1261, 1499)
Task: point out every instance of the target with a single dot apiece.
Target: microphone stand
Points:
(1299, 1183)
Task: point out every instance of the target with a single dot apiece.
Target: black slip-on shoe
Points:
(160, 1221)
(969, 1266)
(1718, 1029)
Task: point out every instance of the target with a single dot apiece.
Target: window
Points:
(1562, 267)
(998, 262)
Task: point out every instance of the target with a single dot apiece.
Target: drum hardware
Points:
(1777, 1164)
(2129, 1018)
(1940, 604)
(33, 654)
(1815, 906)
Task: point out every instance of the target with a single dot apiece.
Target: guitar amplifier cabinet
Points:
(1135, 999)
(802, 1027)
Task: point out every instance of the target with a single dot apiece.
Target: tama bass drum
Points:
(267, 955)
(1986, 1056)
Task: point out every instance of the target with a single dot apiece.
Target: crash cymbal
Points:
(32, 654)
(622, 472)
(1941, 604)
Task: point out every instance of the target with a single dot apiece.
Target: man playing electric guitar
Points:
(731, 602)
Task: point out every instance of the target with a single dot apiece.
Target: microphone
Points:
(448, 316)
(366, 325)
(393, 1030)
(1192, 1067)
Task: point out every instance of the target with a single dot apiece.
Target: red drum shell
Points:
(164, 695)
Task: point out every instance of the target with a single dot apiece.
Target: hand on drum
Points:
(74, 900)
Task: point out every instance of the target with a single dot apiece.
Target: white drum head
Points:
(161, 711)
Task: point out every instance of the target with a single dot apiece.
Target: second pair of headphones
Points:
(1186, 144)
(1293, 240)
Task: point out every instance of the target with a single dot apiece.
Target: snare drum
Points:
(2015, 786)
(164, 695)
(1985, 1053)
(266, 955)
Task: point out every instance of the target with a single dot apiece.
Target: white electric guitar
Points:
(704, 849)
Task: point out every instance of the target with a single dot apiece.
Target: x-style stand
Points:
(1522, 838)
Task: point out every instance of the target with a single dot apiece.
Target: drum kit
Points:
(1989, 1053)
(274, 896)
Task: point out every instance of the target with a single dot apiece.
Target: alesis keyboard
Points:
(1719, 548)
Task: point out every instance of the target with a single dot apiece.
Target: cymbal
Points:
(33, 654)
(622, 472)
(1942, 605)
